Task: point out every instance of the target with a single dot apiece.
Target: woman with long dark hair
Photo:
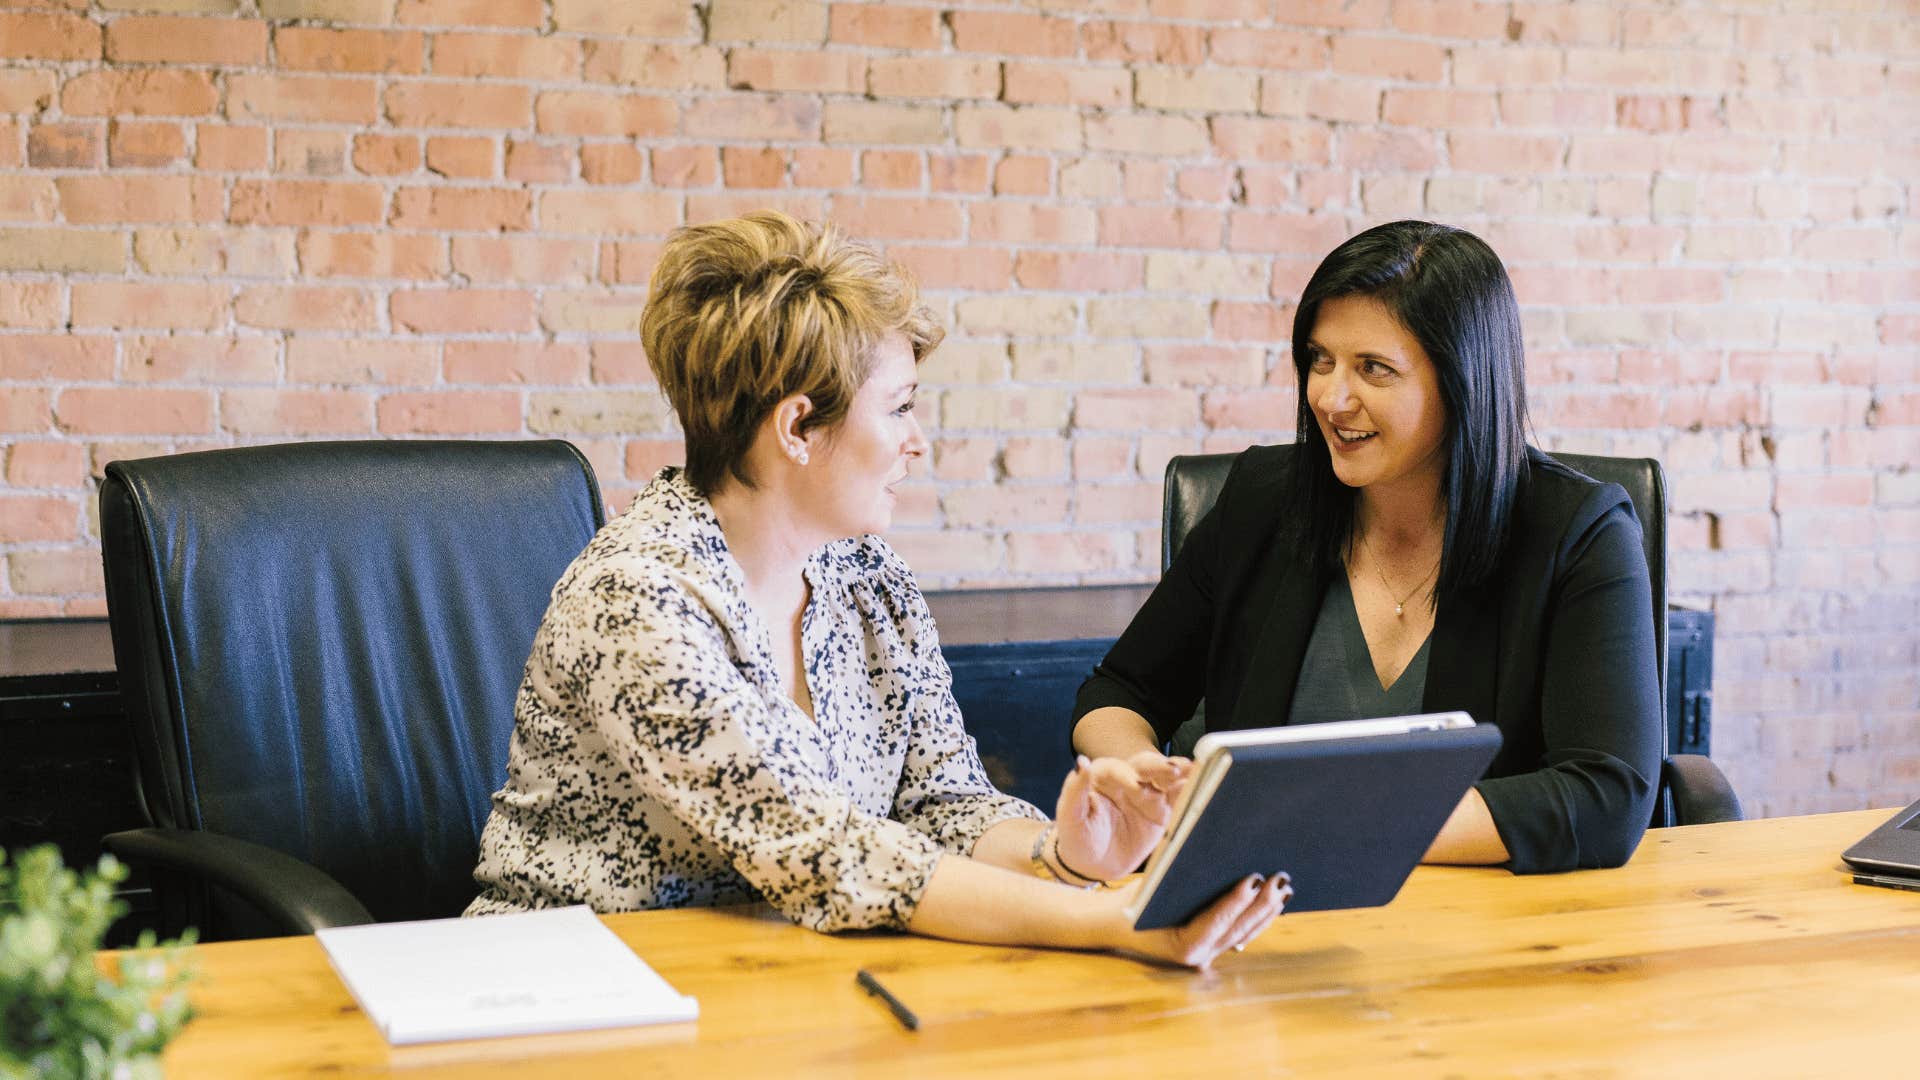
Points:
(1411, 553)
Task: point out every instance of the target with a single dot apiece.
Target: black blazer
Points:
(1558, 651)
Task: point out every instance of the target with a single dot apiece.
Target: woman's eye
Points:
(1321, 363)
(1377, 369)
(905, 408)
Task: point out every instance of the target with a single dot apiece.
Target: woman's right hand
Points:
(1235, 918)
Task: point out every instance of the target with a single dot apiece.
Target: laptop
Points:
(1346, 808)
(1889, 856)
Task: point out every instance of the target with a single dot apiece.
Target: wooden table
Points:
(1722, 951)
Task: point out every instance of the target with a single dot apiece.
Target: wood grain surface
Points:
(1722, 950)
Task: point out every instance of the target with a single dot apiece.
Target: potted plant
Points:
(61, 1014)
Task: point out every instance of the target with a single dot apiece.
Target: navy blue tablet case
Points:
(1348, 819)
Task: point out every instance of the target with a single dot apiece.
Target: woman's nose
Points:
(916, 444)
(1335, 395)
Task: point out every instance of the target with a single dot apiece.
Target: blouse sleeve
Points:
(651, 666)
(944, 791)
(1591, 799)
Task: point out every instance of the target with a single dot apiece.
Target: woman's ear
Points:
(787, 419)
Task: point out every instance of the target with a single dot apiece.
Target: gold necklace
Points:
(1400, 605)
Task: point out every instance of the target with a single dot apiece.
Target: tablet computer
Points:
(1347, 809)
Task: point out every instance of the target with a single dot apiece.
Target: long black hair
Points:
(1448, 288)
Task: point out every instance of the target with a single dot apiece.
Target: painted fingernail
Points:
(1242, 947)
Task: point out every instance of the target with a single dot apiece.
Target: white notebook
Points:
(559, 969)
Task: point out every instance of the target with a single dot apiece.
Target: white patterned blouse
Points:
(657, 762)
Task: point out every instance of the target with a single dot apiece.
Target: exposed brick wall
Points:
(227, 221)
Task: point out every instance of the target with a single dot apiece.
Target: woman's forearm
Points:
(972, 900)
(1469, 837)
(1113, 732)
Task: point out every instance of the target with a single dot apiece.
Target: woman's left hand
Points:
(1113, 811)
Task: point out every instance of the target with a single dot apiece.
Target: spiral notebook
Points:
(527, 973)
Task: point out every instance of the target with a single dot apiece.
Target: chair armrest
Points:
(297, 897)
(1701, 794)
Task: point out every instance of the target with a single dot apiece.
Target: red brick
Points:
(1291, 50)
(1066, 84)
(386, 155)
(539, 163)
(619, 362)
(140, 92)
(506, 56)
(1268, 410)
(1387, 151)
(1069, 552)
(164, 39)
(309, 98)
(933, 77)
(516, 362)
(886, 170)
(525, 14)
(64, 146)
(753, 167)
(717, 207)
(368, 52)
(1252, 322)
(611, 163)
(197, 358)
(646, 457)
(1161, 226)
(1283, 233)
(813, 167)
(603, 212)
(1018, 174)
(310, 153)
(1134, 409)
(893, 218)
(306, 307)
(449, 412)
(662, 67)
(1388, 58)
(463, 311)
(35, 305)
(1506, 65)
(122, 304)
(686, 166)
(46, 465)
(34, 35)
(1205, 365)
(586, 112)
(138, 144)
(26, 409)
(62, 358)
(1005, 34)
(804, 71)
(26, 91)
(975, 269)
(999, 507)
(958, 173)
(1248, 139)
(1151, 43)
(635, 18)
(754, 116)
(306, 202)
(1031, 223)
(883, 122)
(261, 411)
(462, 209)
(351, 362)
(884, 26)
(500, 259)
(372, 255)
(464, 104)
(1079, 271)
(113, 410)
(462, 157)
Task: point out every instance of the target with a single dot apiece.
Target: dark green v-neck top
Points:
(1337, 680)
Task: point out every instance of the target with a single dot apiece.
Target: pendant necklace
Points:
(1399, 605)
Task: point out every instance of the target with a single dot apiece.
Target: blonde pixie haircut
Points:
(745, 312)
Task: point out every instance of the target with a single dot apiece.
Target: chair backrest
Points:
(319, 644)
(1194, 482)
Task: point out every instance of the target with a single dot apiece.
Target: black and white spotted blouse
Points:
(657, 762)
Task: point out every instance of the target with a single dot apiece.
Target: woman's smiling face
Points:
(1375, 394)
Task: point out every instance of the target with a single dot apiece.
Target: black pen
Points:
(894, 1005)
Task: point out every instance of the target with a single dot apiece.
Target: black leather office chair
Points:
(318, 648)
(1693, 791)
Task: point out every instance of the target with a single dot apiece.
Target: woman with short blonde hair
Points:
(738, 691)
